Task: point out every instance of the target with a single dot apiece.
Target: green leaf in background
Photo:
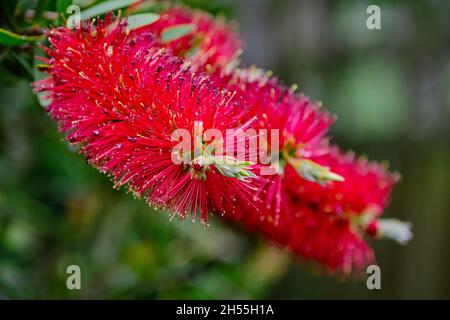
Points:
(9, 39)
(40, 8)
(139, 20)
(24, 64)
(62, 5)
(8, 8)
(176, 32)
(105, 7)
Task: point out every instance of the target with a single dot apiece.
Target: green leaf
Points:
(62, 5)
(25, 65)
(176, 32)
(40, 8)
(139, 20)
(8, 9)
(105, 7)
(10, 39)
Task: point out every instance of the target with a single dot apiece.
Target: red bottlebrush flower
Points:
(328, 188)
(313, 230)
(306, 230)
(212, 44)
(301, 129)
(121, 96)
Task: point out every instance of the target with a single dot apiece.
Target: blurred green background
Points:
(391, 91)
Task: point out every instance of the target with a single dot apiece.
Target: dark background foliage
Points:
(390, 89)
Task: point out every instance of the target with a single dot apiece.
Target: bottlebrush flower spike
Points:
(120, 96)
(213, 45)
(325, 224)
